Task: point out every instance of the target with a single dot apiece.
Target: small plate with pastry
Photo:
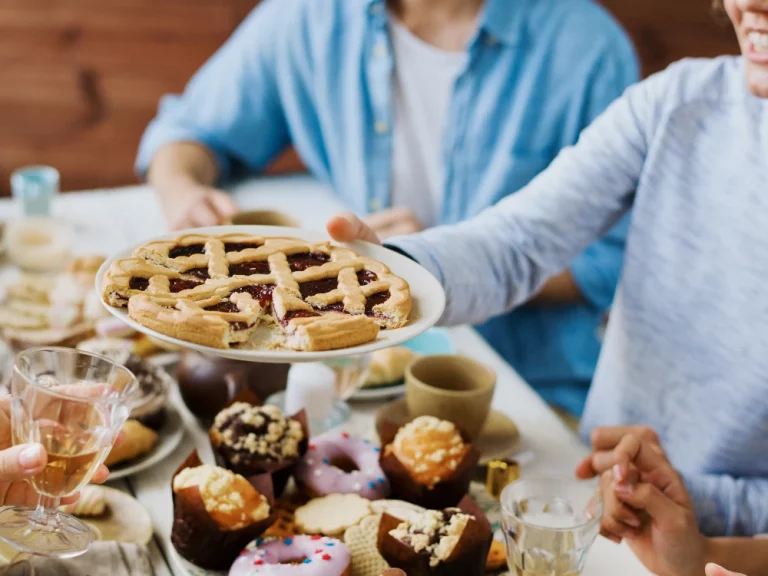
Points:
(142, 447)
(386, 369)
(52, 309)
(270, 294)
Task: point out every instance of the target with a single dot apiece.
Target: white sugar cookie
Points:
(331, 515)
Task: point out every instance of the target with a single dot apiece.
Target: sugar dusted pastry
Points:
(256, 439)
(215, 290)
(228, 497)
(430, 448)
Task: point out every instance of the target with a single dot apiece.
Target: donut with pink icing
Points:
(294, 556)
(318, 474)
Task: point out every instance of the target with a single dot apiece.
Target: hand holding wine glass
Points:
(68, 406)
(17, 463)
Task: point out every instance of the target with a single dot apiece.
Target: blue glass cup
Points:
(34, 188)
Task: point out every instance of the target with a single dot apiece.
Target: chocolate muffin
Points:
(252, 440)
(453, 541)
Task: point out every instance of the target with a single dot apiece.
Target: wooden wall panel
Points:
(80, 79)
(667, 30)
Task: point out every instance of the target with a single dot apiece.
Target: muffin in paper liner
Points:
(198, 538)
(282, 471)
(444, 494)
(467, 558)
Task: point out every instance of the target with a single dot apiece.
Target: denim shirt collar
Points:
(499, 19)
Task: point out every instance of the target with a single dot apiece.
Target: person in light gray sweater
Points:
(686, 348)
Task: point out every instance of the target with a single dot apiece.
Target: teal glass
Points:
(34, 187)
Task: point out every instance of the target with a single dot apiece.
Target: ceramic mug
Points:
(263, 218)
(453, 388)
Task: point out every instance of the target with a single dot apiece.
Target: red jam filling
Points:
(223, 306)
(318, 287)
(138, 283)
(199, 272)
(300, 262)
(248, 268)
(186, 250)
(177, 285)
(238, 246)
(260, 292)
(375, 300)
(366, 277)
(293, 314)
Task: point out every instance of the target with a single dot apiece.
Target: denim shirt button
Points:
(377, 8)
(381, 127)
(374, 204)
(380, 49)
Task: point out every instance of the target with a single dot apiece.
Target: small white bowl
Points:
(39, 244)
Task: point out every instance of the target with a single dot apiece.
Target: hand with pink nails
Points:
(715, 570)
(17, 463)
(646, 503)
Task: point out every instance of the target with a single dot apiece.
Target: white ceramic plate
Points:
(164, 359)
(379, 393)
(126, 520)
(426, 292)
(169, 437)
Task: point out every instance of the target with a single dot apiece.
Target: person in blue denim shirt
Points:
(417, 113)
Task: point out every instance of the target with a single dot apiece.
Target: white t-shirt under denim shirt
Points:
(686, 349)
(422, 89)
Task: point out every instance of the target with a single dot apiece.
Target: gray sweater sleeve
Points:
(497, 260)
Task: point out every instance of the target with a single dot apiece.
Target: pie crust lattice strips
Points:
(214, 290)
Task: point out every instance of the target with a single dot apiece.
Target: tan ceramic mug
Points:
(263, 218)
(453, 388)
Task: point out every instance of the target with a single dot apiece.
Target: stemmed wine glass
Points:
(74, 404)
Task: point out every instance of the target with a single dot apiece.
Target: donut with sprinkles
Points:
(294, 556)
(319, 473)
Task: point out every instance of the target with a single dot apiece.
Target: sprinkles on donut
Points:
(294, 556)
(342, 464)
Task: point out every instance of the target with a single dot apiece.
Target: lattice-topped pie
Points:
(216, 290)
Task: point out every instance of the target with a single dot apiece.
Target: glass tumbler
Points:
(34, 188)
(549, 525)
(74, 404)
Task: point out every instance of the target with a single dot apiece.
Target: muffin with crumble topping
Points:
(429, 462)
(437, 542)
(252, 440)
(216, 512)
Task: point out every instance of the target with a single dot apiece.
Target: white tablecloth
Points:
(109, 220)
